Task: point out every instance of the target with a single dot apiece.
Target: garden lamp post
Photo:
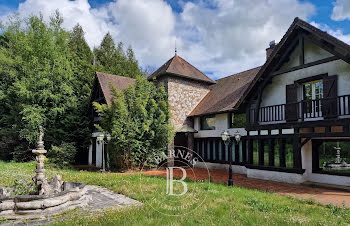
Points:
(100, 139)
(237, 137)
(225, 136)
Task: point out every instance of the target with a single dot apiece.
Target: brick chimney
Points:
(270, 49)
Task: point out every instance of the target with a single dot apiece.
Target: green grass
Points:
(223, 205)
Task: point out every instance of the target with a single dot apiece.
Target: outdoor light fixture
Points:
(109, 137)
(237, 136)
(225, 136)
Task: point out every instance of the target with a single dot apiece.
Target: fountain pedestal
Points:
(40, 179)
(50, 198)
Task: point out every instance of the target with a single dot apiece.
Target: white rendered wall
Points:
(224, 167)
(329, 179)
(221, 124)
(275, 93)
(291, 178)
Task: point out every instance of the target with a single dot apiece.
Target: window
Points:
(237, 120)
(313, 90)
(334, 157)
(286, 159)
(312, 93)
(208, 122)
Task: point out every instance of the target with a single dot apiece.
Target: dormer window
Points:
(208, 122)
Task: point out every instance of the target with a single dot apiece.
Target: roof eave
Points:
(212, 113)
(181, 76)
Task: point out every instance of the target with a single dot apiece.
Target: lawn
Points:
(222, 206)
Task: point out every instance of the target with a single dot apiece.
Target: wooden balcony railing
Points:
(301, 111)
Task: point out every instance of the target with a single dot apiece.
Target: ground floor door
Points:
(181, 139)
(180, 143)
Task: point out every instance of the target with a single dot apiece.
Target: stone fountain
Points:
(46, 198)
(337, 163)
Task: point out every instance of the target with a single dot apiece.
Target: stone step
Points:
(326, 186)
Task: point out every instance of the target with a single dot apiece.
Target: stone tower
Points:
(186, 87)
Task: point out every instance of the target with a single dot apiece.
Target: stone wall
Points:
(184, 96)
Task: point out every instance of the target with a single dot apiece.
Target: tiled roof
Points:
(119, 82)
(226, 93)
(177, 66)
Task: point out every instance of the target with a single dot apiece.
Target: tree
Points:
(105, 55)
(138, 120)
(78, 45)
(131, 67)
(46, 76)
(43, 82)
(113, 60)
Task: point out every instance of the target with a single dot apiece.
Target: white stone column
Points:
(306, 157)
(98, 154)
(90, 154)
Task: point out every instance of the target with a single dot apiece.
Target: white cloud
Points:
(336, 33)
(146, 25)
(220, 36)
(341, 10)
(234, 34)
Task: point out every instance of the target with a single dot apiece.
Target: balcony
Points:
(305, 110)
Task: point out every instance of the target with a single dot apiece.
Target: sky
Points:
(219, 37)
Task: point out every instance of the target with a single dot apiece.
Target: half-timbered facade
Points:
(293, 113)
(298, 110)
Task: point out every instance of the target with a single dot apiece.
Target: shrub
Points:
(63, 155)
(24, 187)
(138, 121)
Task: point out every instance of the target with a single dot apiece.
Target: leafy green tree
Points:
(79, 46)
(132, 66)
(43, 82)
(138, 120)
(46, 76)
(112, 59)
(105, 54)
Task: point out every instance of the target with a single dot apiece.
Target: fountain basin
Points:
(24, 206)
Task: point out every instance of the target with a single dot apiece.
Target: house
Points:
(298, 110)
(202, 109)
(293, 112)
(102, 94)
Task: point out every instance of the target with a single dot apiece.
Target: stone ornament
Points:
(40, 178)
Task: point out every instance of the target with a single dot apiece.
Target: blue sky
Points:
(219, 37)
(323, 14)
(324, 9)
